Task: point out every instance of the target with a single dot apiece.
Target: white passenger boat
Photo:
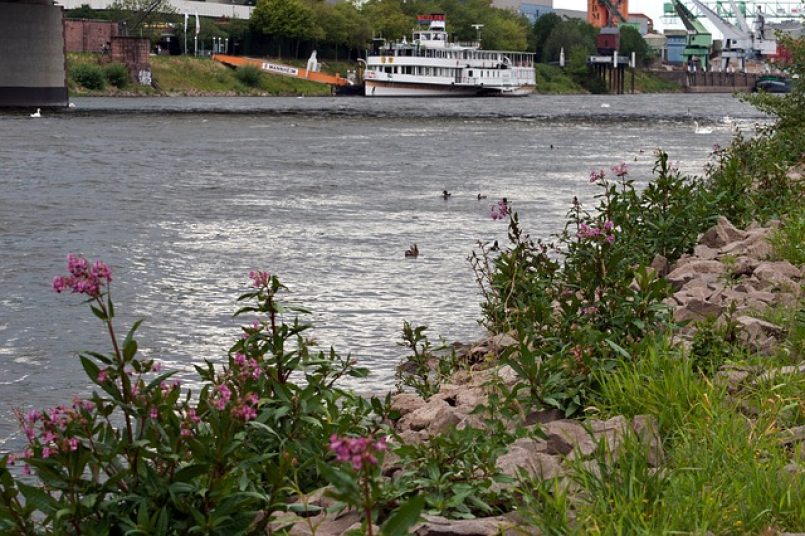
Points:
(432, 66)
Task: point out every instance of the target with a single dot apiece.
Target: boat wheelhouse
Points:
(432, 66)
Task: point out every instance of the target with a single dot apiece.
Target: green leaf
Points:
(620, 350)
(403, 518)
(38, 499)
(188, 473)
(98, 312)
(90, 368)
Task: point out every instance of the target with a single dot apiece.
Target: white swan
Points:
(37, 113)
(701, 130)
(605, 105)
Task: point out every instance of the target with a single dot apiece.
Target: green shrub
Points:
(117, 75)
(789, 239)
(249, 76)
(89, 76)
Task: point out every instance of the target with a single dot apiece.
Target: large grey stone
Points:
(488, 526)
(529, 455)
(721, 234)
(406, 403)
(435, 417)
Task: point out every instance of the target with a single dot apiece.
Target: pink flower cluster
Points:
(591, 232)
(249, 368)
(247, 408)
(597, 175)
(55, 432)
(360, 451)
(260, 279)
(84, 278)
(621, 170)
(500, 210)
(221, 396)
(190, 421)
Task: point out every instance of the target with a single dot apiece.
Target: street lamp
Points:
(478, 30)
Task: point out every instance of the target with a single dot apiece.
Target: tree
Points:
(569, 35)
(632, 41)
(505, 31)
(387, 19)
(540, 33)
(284, 20)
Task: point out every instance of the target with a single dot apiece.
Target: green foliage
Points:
(788, 240)
(541, 31)
(455, 473)
(552, 79)
(289, 20)
(632, 41)
(117, 75)
(570, 35)
(144, 457)
(89, 76)
(249, 76)
(425, 369)
(84, 11)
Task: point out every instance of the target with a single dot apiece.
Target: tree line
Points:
(341, 31)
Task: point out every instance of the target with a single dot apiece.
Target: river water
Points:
(183, 197)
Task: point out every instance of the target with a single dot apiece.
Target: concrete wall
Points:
(88, 35)
(32, 63)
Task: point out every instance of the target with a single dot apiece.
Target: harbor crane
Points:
(699, 40)
(740, 42)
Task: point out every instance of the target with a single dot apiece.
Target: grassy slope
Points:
(184, 75)
(181, 75)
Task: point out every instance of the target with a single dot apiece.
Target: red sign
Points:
(425, 19)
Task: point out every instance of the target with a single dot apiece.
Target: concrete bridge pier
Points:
(32, 60)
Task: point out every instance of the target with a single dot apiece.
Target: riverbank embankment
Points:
(201, 77)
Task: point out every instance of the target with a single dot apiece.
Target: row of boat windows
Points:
(436, 53)
(434, 71)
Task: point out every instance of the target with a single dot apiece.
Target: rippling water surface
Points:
(183, 197)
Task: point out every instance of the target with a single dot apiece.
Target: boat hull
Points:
(377, 88)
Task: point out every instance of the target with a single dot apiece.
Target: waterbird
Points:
(412, 251)
(446, 195)
(604, 105)
(481, 196)
(701, 130)
(71, 105)
(37, 113)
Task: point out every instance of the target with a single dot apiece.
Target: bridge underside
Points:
(32, 59)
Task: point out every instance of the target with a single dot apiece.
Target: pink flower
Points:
(12, 458)
(610, 238)
(360, 451)
(608, 225)
(46, 452)
(240, 359)
(101, 270)
(76, 265)
(60, 283)
(186, 432)
(103, 375)
(260, 279)
(156, 367)
(33, 416)
(82, 278)
(26, 470)
(47, 437)
(73, 442)
(598, 175)
(621, 170)
(154, 413)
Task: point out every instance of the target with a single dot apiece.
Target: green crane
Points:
(699, 40)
